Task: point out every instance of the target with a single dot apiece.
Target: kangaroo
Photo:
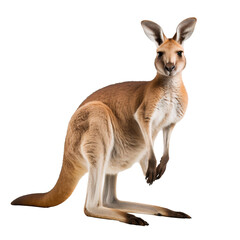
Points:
(116, 126)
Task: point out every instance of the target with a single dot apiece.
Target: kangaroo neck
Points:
(167, 82)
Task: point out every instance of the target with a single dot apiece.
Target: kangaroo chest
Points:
(168, 110)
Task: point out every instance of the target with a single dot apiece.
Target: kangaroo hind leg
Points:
(96, 147)
(110, 200)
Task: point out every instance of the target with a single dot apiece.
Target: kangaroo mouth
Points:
(172, 73)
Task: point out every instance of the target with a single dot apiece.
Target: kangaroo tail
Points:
(67, 181)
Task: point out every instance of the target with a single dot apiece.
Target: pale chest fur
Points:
(169, 110)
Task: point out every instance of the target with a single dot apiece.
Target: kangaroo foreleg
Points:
(164, 160)
(143, 119)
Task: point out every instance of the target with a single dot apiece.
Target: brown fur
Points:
(116, 127)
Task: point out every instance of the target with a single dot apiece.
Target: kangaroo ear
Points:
(185, 30)
(154, 32)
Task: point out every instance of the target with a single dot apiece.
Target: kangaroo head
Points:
(170, 58)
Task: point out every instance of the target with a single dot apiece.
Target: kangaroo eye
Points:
(160, 54)
(179, 53)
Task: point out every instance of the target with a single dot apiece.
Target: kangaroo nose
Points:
(169, 67)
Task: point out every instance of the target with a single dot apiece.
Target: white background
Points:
(53, 54)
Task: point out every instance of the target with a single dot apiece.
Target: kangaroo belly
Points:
(128, 148)
(123, 159)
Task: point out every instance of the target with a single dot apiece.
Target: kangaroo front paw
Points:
(160, 170)
(151, 172)
(162, 166)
